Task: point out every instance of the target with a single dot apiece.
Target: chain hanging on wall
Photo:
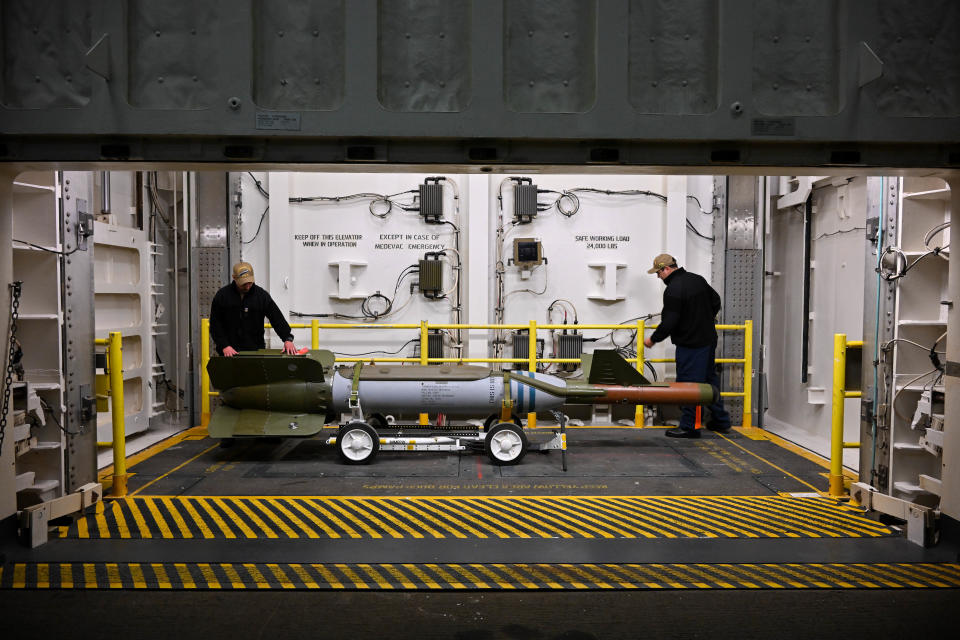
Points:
(15, 289)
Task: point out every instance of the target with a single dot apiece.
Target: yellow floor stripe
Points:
(257, 521)
(138, 518)
(114, 579)
(635, 507)
(327, 529)
(446, 577)
(89, 575)
(235, 581)
(217, 520)
(470, 576)
(185, 576)
(352, 576)
(278, 573)
(363, 525)
(264, 507)
(687, 518)
(824, 574)
(197, 519)
(258, 579)
(158, 518)
(281, 507)
(66, 576)
(360, 507)
(573, 507)
(43, 576)
(841, 516)
(762, 459)
(373, 573)
(529, 518)
(403, 509)
(209, 575)
(775, 511)
(234, 518)
(638, 526)
(498, 580)
(399, 576)
(163, 580)
(760, 575)
(786, 525)
(333, 518)
(751, 527)
(446, 516)
(635, 577)
(547, 515)
(934, 570)
(417, 571)
(612, 577)
(19, 576)
(675, 572)
(101, 521)
(517, 577)
(370, 503)
(177, 518)
(328, 576)
(83, 530)
(304, 576)
(536, 572)
(136, 573)
(481, 511)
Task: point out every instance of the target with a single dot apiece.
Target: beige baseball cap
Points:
(242, 273)
(661, 261)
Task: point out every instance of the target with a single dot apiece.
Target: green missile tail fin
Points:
(606, 366)
(227, 422)
(261, 367)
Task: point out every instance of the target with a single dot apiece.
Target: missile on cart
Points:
(265, 393)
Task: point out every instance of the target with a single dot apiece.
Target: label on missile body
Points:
(437, 393)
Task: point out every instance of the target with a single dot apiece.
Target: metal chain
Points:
(15, 288)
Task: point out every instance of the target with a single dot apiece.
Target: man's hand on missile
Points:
(647, 342)
(229, 352)
(289, 349)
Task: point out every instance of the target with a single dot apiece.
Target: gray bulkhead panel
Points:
(617, 82)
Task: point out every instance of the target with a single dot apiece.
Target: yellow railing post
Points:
(314, 334)
(836, 425)
(532, 366)
(641, 331)
(115, 363)
(424, 355)
(204, 376)
(747, 421)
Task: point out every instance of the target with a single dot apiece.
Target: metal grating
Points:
(212, 276)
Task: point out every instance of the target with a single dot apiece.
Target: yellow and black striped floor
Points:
(479, 517)
(495, 576)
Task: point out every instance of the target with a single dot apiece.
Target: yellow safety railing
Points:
(840, 393)
(114, 345)
(531, 361)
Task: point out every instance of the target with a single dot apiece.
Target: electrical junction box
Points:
(569, 345)
(521, 347)
(524, 202)
(527, 253)
(431, 276)
(431, 201)
(435, 344)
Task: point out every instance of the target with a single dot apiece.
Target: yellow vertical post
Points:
(532, 366)
(424, 354)
(314, 334)
(115, 363)
(748, 374)
(836, 425)
(641, 330)
(204, 376)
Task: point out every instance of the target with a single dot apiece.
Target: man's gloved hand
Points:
(229, 352)
(289, 349)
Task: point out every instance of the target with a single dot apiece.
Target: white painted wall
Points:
(298, 241)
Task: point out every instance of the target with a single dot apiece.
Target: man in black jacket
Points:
(237, 314)
(690, 307)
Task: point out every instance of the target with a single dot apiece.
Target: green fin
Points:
(606, 366)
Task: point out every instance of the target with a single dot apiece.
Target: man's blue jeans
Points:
(697, 364)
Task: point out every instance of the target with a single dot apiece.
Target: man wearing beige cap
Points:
(690, 307)
(237, 314)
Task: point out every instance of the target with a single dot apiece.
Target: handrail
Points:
(531, 360)
(114, 345)
(840, 393)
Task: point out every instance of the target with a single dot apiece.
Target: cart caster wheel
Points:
(378, 421)
(357, 443)
(495, 418)
(506, 444)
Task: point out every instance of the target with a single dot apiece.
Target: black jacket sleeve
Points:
(672, 304)
(277, 321)
(217, 328)
(715, 301)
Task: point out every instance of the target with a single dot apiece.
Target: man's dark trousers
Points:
(697, 364)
